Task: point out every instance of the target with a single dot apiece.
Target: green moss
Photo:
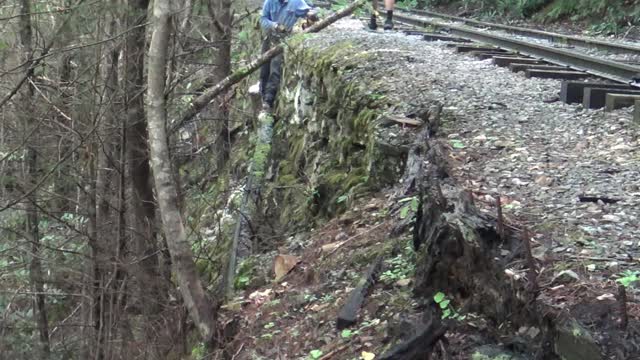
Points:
(325, 140)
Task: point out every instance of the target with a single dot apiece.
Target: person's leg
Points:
(388, 6)
(374, 9)
(264, 69)
(274, 80)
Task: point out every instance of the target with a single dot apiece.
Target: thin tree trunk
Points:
(220, 13)
(107, 243)
(35, 268)
(198, 304)
(142, 202)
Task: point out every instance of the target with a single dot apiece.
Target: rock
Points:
(574, 342)
(543, 180)
(610, 218)
(518, 182)
(566, 276)
(613, 266)
(493, 352)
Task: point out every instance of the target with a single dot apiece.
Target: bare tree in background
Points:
(31, 162)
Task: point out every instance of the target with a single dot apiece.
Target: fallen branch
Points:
(420, 345)
(349, 312)
(199, 103)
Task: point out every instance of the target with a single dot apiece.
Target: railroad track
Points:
(539, 34)
(612, 70)
(594, 81)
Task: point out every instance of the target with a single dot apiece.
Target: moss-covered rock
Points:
(574, 342)
(328, 146)
(490, 352)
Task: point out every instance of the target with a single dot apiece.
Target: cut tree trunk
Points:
(458, 249)
(200, 307)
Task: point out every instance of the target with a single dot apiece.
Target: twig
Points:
(533, 278)
(444, 348)
(237, 352)
(354, 237)
(500, 218)
(622, 300)
(331, 353)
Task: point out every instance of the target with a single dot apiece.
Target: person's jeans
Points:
(270, 74)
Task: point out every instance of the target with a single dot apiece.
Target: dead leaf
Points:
(403, 282)
(607, 296)
(332, 246)
(367, 355)
(260, 297)
(405, 120)
(319, 307)
(283, 264)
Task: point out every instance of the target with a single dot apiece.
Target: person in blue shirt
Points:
(277, 21)
(388, 6)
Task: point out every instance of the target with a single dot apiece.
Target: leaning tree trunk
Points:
(198, 304)
(31, 157)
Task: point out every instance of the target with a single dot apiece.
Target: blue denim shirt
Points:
(285, 12)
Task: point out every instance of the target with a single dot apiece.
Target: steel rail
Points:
(608, 69)
(546, 35)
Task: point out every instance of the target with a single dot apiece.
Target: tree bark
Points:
(142, 203)
(31, 157)
(220, 13)
(198, 304)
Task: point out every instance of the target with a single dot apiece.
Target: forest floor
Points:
(570, 175)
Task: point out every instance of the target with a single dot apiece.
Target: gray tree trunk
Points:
(142, 203)
(198, 304)
(31, 159)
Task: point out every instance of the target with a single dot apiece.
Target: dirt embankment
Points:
(459, 135)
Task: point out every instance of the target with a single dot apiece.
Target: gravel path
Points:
(539, 157)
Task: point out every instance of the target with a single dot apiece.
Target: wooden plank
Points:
(525, 67)
(507, 60)
(555, 74)
(619, 101)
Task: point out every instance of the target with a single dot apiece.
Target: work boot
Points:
(372, 23)
(388, 24)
